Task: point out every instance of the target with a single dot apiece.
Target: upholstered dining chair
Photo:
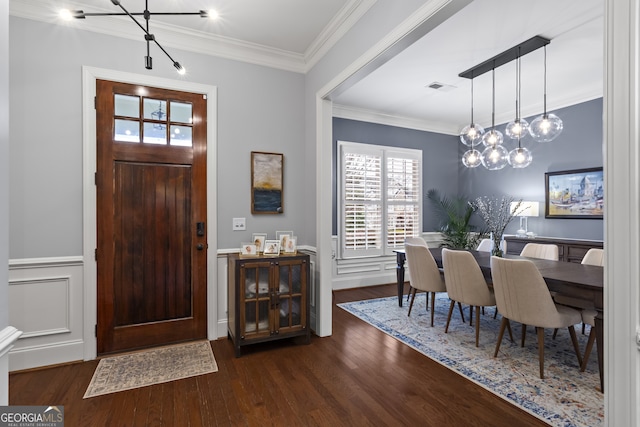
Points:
(594, 256)
(465, 284)
(522, 296)
(588, 317)
(424, 274)
(485, 245)
(541, 251)
(415, 241)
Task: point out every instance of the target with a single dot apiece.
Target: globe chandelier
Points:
(544, 128)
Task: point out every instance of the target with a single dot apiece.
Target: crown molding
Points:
(335, 30)
(370, 116)
(206, 43)
(363, 115)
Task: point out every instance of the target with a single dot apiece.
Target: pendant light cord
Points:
(545, 82)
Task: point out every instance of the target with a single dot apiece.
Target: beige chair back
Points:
(416, 241)
(464, 280)
(594, 256)
(485, 245)
(541, 251)
(423, 269)
(522, 294)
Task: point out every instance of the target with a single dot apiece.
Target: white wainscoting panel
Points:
(46, 303)
(361, 272)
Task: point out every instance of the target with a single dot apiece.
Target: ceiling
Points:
(477, 33)
(258, 31)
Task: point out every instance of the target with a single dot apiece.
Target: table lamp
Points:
(525, 210)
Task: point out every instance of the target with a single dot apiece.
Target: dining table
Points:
(584, 284)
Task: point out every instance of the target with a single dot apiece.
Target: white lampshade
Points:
(525, 208)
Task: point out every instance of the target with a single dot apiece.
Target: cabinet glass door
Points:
(255, 307)
(291, 313)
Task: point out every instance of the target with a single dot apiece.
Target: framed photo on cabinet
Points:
(271, 247)
(258, 239)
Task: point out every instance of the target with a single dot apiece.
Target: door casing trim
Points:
(89, 223)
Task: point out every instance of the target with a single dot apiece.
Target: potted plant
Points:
(455, 217)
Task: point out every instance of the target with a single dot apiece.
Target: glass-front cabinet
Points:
(268, 298)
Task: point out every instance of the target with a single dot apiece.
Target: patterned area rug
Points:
(154, 366)
(566, 397)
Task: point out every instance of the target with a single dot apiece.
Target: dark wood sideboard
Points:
(569, 250)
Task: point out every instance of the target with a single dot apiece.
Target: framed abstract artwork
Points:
(266, 183)
(574, 194)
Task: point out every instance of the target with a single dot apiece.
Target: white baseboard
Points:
(44, 355)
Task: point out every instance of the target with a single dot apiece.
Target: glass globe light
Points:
(472, 158)
(495, 157)
(471, 135)
(520, 158)
(546, 127)
(517, 129)
(492, 137)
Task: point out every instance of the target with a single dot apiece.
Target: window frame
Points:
(385, 152)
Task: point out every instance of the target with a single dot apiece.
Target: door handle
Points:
(199, 246)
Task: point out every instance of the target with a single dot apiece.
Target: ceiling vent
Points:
(441, 87)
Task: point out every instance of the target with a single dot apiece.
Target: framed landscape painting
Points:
(577, 193)
(266, 183)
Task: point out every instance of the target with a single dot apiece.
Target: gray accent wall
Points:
(579, 146)
(259, 109)
(439, 169)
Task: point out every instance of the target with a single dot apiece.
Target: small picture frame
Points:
(271, 247)
(248, 249)
(258, 239)
(283, 237)
(290, 246)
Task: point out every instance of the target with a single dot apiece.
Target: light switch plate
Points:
(239, 224)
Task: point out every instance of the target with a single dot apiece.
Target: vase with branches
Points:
(455, 218)
(496, 214)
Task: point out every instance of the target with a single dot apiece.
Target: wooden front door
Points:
(151, 211)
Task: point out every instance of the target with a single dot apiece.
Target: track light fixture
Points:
(80, 14)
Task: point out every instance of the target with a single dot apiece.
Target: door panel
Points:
(151, 260)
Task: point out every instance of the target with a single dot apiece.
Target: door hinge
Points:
(96, 330)
(95, 253)
(95, 103)
(95, 178)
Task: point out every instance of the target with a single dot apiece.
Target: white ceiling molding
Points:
(209, 44)
(352, 113)
(337, 28)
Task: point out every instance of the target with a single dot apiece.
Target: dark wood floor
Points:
(357, 377)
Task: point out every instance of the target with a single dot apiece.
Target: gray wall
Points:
(579, 146)
(439, 169)
(259, 109)
(374, 26)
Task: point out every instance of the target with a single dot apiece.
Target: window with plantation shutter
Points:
(380, 198)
